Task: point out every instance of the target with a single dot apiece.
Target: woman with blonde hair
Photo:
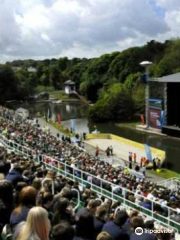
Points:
(37, 226)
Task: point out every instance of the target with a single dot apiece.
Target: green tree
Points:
(8, 84)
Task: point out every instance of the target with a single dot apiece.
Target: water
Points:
(78, 111)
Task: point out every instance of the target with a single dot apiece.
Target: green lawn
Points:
(60, 95)
(165, 173)
(40, 89)
(128, 124)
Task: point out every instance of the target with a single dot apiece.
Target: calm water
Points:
(77, 112)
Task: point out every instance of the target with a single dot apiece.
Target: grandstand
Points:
(76, 166)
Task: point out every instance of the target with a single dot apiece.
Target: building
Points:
(164, 103)
(69, 87)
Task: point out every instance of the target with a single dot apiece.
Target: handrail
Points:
(78, 197)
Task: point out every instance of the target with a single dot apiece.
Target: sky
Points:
(40, 29)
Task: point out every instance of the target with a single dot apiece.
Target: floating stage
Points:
(122, 147)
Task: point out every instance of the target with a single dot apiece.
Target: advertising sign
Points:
(154, 118)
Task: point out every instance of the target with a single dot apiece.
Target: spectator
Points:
(63, 231)
(138, 222)
(27, 200)
(91, 208)
(85, 227)
(62, 213)
(104, 236)
(114, 228)
(37, 226)
(6, 202)
(15, 175)
(99, 219)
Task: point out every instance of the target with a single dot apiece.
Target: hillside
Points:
(112, 81)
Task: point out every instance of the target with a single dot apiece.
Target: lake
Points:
(77, 111)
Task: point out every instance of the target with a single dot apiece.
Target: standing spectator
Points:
(143, 169)
(107, 152)
(97, 151)
(134, 156)
(111, 150)
(154, 164)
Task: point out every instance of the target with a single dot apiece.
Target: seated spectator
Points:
(37, 225)
(104, 236)
(146, 204)
(63, 231)
(138, 222)
(27, 200)
(114, 228)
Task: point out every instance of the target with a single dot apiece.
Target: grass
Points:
(40, 89)
(128, 124)
(60, 95)
(165, 173)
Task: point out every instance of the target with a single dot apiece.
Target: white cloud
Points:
(81, 28)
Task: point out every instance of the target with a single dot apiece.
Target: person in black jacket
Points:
(99, 219)
(114, 228)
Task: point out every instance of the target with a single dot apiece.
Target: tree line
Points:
(112, 81)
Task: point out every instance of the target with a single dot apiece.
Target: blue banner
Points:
(148, 152)
(72, 125)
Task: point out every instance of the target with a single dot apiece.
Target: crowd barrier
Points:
(171, 183)
(98, 185)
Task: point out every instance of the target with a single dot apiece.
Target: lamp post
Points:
(146, 65)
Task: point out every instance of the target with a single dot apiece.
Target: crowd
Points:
(29, 210)
(40, 141)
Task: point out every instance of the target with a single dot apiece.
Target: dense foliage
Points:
(112, 81)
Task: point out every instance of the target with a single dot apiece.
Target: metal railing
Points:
(98, 185)
(171, 183)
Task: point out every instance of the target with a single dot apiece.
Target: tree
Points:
(8, 84)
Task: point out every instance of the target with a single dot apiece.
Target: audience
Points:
(32, 198)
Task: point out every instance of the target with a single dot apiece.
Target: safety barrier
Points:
(171, 183)
(98, 185)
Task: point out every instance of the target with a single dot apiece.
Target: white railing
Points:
(171, 183)
(100, 186)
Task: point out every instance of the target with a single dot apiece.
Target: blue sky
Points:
(41, 29)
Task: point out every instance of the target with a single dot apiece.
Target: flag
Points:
(72, 125)
(59, 118)
(48, 114)
(148, 152)
(142, 119)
